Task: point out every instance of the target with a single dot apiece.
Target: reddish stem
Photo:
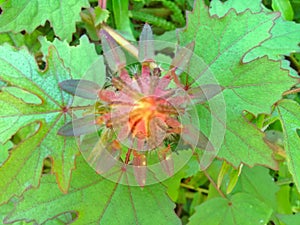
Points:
(128, 156)
(102, 4)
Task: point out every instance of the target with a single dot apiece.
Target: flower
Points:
(142, 111)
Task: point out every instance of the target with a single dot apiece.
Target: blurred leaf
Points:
(284, 7)
(120, 12)
(173, 183)
(18, 15)
(101, 15)
(289, 112)
(296, 7)
(283, 199)
(233, 179)
(224, 170)
(19, 40)
(24, 166)
(290, 219)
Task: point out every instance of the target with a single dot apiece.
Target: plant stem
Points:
(214, 184)
(201, 190)
(293, 91)
(121, 40)
(102, 4)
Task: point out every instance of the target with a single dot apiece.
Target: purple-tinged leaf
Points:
(204, 92)
(146, 45)
(113, 53)
(82, 88)
(77, 127)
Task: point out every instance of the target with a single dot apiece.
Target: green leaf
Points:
(18, 40)
(24, 166)
(286, 32)
(254, 87)
(81, 59)
(7, 208)
(96, 200)
(290, 219)
(283, 199)
(101, 15)
(289, 112)
(241, 208)
(4, 211)
(18, 15)
(221, 8)
(252, 178)
(4, 151)
(296, 7)
(283, 31)
(173, 183)
(120, 11)
(284, 7)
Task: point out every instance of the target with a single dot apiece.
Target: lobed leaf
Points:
(220, 8)
(283, 31)
(24, 165)
(82, 60)
(29, 14)
(250, 178)
(254, 87)
(241, 208)
(95, 199)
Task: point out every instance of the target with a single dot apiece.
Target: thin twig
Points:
(214, 184)
(201, 190)
(293, 91)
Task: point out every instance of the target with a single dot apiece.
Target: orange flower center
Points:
(146, 116)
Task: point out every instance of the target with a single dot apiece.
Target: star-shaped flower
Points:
(143, 110)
